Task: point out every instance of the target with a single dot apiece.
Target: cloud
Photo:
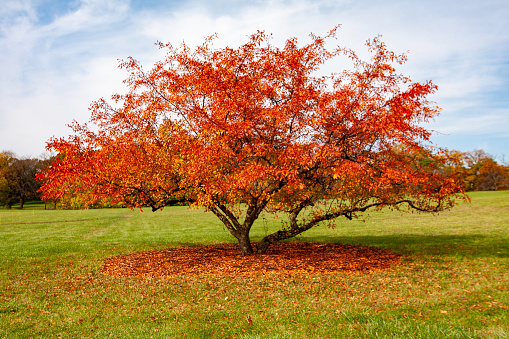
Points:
(54, 64)
(494, 121)
(91, 16)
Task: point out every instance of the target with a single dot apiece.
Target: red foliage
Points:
(255, 129)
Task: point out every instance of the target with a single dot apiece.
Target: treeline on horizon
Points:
(478, 170)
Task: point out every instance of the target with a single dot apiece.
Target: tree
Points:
(484, 173)
(493, 177)
(21, 179)
(255, 128)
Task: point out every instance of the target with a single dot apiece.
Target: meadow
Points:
(453, 281)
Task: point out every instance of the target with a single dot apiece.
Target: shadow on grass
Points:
(461, 245)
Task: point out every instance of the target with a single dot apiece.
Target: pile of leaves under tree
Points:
(256, 128)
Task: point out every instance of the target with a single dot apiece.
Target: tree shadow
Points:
(437, 245)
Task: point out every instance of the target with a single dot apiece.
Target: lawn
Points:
(452, 283)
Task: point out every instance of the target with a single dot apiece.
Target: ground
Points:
(287, 257)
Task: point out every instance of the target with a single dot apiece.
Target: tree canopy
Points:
(257, 128)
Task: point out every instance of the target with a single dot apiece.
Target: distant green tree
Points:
(18, 178)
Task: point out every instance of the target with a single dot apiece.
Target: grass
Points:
(453, 283)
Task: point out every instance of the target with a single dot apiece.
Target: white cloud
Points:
(495, 121)
(90, 16)
(51, 71)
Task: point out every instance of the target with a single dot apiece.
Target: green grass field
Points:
(453, 282)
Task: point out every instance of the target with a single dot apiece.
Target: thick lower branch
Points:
(295, 229)
(226, 221)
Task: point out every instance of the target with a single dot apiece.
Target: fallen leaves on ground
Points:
(287, 257)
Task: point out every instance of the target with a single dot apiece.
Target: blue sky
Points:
(57, 56)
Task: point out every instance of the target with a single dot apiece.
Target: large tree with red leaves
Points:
(256, 128)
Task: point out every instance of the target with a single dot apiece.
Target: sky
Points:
(58, 56)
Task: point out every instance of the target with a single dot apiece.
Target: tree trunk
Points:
(244, 242)
(21, 202)
(262, 247)
(238, 230)
(264, 244)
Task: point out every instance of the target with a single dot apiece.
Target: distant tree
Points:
(453, 162)
(476, 157)
(20, 176)
(252, 129)
(492, 176)
(484, 173)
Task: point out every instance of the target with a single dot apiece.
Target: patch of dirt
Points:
(286, 257)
